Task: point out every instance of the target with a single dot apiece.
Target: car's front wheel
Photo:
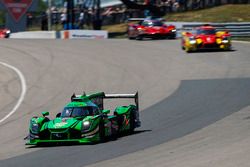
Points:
(139, 37)
(101, 131)
(188, 50)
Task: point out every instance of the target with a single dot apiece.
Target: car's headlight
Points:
(192, 41)
(225, 40)
(8, 32)
(173, 30)
(85, 125)
(35, 128)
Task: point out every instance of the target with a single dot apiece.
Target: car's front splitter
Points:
(89, 139)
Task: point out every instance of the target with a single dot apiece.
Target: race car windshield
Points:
(206, 32)
(78, 111)
(153, 23)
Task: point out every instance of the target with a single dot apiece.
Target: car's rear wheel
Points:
(172, 36)
(131, 38)
(114, 129)
(132, 121)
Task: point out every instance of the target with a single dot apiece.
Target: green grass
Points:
(116, 31)
(224, 13)
(242, 38)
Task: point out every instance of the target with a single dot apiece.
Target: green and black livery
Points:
(84, 120)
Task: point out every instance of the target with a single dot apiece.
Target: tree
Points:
(42, 6)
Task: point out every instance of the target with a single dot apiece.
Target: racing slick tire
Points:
(102, 131)
(229, 48)
(115, 132)
(172, 36)
(132, 121)
(187, 49)
(139, 37)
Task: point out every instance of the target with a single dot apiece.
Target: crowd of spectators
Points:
(170, 5)
(84, 17)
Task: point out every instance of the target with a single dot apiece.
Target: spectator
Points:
(146, 13)
(176, 6)
(81, 20)
(29, 19)
(44, 22)
(169, 5)
(63, 19)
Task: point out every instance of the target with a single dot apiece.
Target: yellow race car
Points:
(205, 37)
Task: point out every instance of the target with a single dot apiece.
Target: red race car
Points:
(4, 33)
(206, 37)
(150, 28)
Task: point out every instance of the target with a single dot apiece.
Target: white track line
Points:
(23, 85)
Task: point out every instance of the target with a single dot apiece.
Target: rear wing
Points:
(97, 98)
(136, 19)
(124, 96)
(146, 18)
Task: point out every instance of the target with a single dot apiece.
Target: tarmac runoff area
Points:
(222, 144)
(161, 71)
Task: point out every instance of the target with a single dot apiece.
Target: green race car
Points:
(84, 120)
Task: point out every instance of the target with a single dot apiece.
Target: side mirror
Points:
(45, 113)
(58, 115)
(105, 111)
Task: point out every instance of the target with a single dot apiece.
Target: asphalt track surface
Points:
(179, 93)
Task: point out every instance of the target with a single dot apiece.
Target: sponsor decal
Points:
(88, 36)
(92, 133)
(209, 39)
(126, 121)
(60, 124)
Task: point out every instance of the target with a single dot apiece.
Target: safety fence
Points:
(67, 34)
(235, 29)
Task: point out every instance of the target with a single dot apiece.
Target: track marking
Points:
(23, 92)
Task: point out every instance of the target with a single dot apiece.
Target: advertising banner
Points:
(84, 34)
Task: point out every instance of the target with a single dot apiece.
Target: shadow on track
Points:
(211, 50)
(193, 106)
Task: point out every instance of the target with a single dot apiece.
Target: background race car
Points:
(4, 33)
(150, 28)
(205, 37)
(84, 120)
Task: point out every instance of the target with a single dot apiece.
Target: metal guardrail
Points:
(235, 29)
